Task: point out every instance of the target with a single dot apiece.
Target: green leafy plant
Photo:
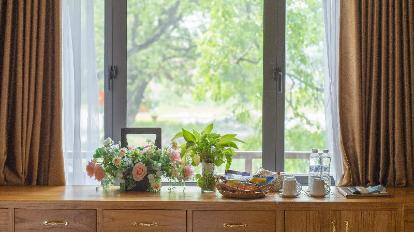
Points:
(208, 146)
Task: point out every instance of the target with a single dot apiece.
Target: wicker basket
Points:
(236, 193)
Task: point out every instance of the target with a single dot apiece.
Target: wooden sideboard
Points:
(84, 208)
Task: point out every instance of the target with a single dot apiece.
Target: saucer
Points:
(316, 196)
(288, 196)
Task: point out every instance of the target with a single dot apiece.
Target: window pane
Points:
(195, 62)
(305, 113)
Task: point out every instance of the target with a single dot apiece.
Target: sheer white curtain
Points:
(331, 9)
(81, 118)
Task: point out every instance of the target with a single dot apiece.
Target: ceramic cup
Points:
(319, 188)
(291, 187)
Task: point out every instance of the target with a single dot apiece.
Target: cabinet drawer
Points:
(254, 221)
(54, 220)
(145, 220)
(309, 221)
(4, 220)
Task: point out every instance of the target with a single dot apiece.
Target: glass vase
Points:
(207, 182)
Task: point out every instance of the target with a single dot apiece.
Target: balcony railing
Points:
(249, 156)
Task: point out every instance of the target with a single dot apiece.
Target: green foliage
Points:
(299, 138)
(207, 181)
(207, 146)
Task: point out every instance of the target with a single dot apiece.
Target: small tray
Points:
(289, 196)
(235, 193)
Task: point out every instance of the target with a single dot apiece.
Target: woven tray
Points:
(230, 192)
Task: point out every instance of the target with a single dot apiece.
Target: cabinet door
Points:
(377, 221)
(363, 220)
(409, 220)
(346, 220)
(409, 227)
(298, 221)
(4, 220)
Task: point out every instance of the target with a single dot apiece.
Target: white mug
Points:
(319, 188)
(291, 187)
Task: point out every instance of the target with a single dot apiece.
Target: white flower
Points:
(157, 167)
(159, 173)
(108, 142)
(151, 178)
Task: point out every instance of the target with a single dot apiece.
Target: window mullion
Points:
(273, 97)
(116, 55)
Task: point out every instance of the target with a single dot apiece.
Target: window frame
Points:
(273, 103)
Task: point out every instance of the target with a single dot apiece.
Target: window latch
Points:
(278, 77)
(112, 73)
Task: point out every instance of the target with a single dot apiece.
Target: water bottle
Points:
(326, 166)
(314, 166)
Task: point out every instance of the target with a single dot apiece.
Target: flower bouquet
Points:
(134, 168)
(180, 169)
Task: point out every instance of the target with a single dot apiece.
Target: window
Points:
(305, 74)
(253, 67)
(190, 63)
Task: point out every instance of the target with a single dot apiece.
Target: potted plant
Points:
(211, 150)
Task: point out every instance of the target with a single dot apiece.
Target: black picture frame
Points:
(141, 131)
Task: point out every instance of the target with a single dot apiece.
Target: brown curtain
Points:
(376, 85)
(30, 93)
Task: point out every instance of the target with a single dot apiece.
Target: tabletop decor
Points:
(180, 169)
(242, 190)
(135, 168)
(243, 185)
(210, 149)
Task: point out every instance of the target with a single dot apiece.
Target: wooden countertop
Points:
(90, 197)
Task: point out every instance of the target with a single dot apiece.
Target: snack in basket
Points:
(242, 185)
(275, 178)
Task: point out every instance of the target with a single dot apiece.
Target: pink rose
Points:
(146, 149)
(188, 171)
(175, 155)
(90, 168)
(122, 152)
(99, 173)
(139, 171)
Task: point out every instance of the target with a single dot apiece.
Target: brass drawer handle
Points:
(346, 226)
(55, 223)
(229, 225)
(145, 224)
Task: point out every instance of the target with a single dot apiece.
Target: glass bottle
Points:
(326, 166)
(314, 166)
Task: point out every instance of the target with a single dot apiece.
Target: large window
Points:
(253, 67)
(191, 63)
